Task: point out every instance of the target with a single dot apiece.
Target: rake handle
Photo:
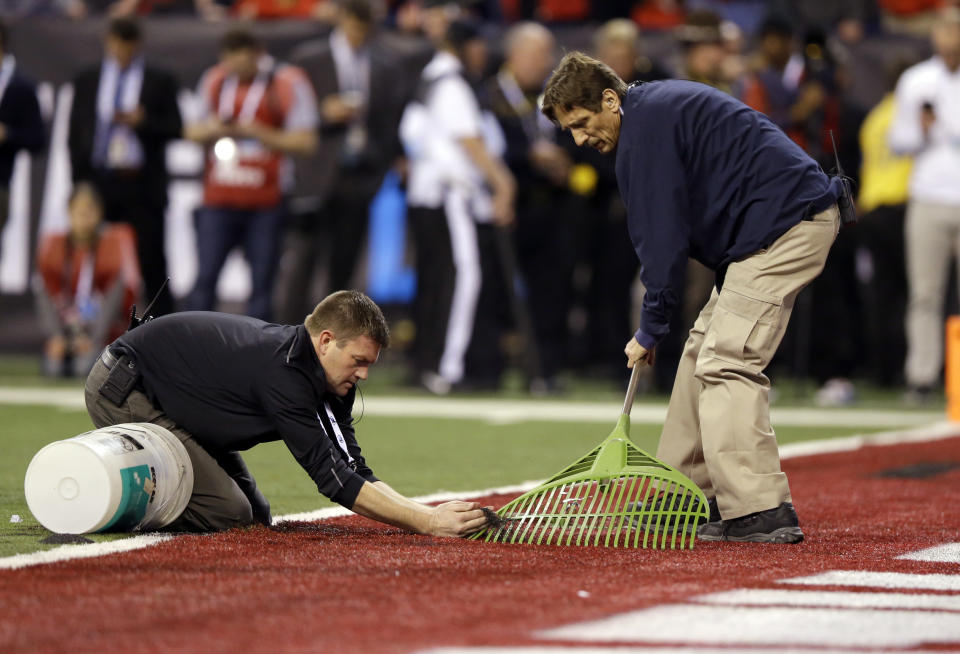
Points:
(632, 389)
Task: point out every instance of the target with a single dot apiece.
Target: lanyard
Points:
(522, 107)
(336, 430)
(228, 96)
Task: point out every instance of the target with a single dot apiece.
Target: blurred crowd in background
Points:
(518, 238)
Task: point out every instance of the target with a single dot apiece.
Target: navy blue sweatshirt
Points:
(234, 382)
(704, 176)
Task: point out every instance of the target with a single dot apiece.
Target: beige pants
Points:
(932, 236)
(718, 429)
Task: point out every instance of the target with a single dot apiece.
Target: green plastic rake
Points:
(617, 495)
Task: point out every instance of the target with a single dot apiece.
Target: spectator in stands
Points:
(21, 126)
(617, 43)
(704, 50)
(545, 226)
(845, 18)
(773, 87)
(87, 278)
(360, 103)
(256, 111)
(926, 124)
(124, 114)
(882, 203)
(455, 181)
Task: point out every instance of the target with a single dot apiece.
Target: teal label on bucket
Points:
(137, 486)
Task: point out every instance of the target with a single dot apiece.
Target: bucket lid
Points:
(69, 488)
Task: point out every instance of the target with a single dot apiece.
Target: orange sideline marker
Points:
(952, 368)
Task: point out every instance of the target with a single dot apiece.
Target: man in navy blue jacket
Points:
(705, 176)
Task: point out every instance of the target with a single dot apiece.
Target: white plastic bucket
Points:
(132, 476)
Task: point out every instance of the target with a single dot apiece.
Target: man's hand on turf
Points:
(457, 518)
(637, 353)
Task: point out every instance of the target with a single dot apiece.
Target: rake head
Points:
(617, 495)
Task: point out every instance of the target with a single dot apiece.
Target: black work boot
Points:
(666, 504)
(713, 528)
(777, 525)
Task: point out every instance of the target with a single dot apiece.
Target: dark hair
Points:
(85, 187)
(702, 26)
(362, 10)
(3, 35)
(125, 29)
(239, 38)
(776, 25)
(462, 31)
(579, 81)
(349, 314)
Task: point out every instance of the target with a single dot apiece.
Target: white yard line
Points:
(739, 626)
(507, 411)
(837, 599)
(890, 580)
(948, 553)
(87, 550)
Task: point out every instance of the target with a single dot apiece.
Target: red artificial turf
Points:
(351, 585)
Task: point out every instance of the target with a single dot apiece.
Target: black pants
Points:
(880, 232)
(131, 199)
(333, 233)
(545, 235)
(485, 358)
(435, 279)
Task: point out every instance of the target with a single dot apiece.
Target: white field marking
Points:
(837, 599)
(768, 626)
(439, 496)
(82, 551)
(562, 649)
(948, 553)
(512, 411)
(864, 578)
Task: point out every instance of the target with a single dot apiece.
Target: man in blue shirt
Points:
(705, 176)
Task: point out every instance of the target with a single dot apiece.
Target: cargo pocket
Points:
(745, 329)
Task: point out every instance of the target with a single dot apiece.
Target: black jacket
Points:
(20, 114)
(317, 175)
(162, 124)
(234, 381)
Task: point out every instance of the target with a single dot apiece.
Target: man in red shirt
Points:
(256, 112)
